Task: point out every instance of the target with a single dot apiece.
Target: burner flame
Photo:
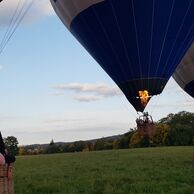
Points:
(144, 96)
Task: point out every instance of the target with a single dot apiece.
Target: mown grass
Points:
(132, 171)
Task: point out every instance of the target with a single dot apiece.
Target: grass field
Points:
(150, 170)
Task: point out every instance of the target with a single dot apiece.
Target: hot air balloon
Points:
(138, 43)
(184, 74)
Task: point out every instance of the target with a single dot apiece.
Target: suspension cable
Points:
(20, 12)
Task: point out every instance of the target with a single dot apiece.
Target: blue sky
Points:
(51, 88)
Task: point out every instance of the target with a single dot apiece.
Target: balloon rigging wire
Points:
(164, 40)
(124, 45)
(137, 40)
(17, 17)
(151, 41)
(165, 36)
(170, 69)
(122, 39)
(180, 49)
(10, 25)
(178, 33)
(183, 22)
(109, 42)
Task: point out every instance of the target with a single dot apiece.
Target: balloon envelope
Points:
(139, 43)
(184, 74)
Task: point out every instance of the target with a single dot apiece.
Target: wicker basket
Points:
(6, 179)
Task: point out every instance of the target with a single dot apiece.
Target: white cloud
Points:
(44, 7)
(4, 118)
(66, 120)
(102, 89)
(89, 92)
(1, 67)
(87, 98)
(178, 104)
(56, 94)
(39, 9)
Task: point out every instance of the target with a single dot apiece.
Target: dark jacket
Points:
(2, 145)
(8, 157)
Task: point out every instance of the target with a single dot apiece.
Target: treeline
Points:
(173, 130)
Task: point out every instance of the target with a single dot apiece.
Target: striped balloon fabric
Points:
(184, 74)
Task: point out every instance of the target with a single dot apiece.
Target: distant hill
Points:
(172, 130)
(93, 141)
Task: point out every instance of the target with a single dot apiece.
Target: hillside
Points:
(173, 130)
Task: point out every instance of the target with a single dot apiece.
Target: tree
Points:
(181, 128)
(99, 144)
(52, 148)
(11, 144)
(123, 142)
(162, 135)
(145, 141)
(89, 146)
(181, 135)
(183, 118)
(79, 146)
(22, 151)
(135, 140)
(52, 142)
(115, 144)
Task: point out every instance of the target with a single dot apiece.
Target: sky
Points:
(51, 88)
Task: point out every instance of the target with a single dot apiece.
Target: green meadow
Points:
(165, 170)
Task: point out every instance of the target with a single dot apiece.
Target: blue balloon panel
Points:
(139, 43)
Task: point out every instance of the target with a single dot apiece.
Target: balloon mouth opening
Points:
(144, 97)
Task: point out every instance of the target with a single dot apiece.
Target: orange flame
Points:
(144, 96)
